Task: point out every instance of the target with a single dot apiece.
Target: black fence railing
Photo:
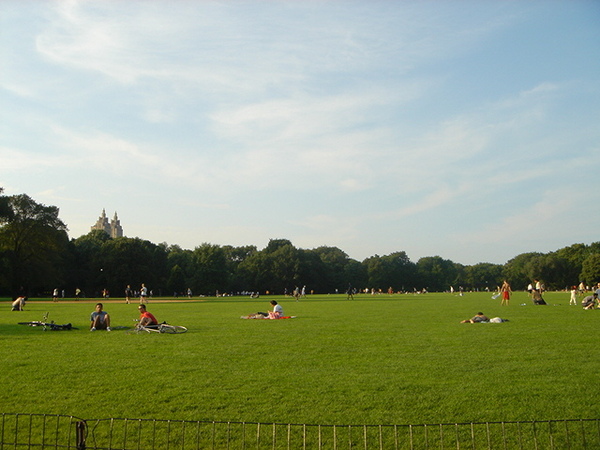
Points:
(41, 431)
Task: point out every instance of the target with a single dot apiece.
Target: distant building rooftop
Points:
(112, 228)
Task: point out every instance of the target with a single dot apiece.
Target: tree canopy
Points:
(37, 256)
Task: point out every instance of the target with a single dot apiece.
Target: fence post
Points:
(80, 428)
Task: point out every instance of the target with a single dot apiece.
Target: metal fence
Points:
(41, 431)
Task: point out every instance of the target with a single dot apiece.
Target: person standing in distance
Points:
(143, 294)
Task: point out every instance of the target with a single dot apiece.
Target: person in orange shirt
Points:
(146, 318)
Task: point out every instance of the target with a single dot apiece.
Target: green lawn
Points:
(375, 360)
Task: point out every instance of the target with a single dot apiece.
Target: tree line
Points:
(37, 256)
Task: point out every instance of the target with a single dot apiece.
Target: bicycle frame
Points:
(161, 328)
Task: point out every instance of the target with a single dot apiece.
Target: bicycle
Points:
(160, 328)
(48, 325)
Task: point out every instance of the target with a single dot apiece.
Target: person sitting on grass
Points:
(589, 302)
(277, 312)
(18, 303)
(536, 297)
(100, 320)
(147, 319)
(479, 318)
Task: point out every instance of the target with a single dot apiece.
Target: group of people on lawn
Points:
(100, 319)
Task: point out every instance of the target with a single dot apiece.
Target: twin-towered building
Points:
(112, 228)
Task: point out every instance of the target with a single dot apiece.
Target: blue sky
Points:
(464, 129)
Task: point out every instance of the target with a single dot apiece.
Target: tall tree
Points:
(334, 263)
(210, 269)
(590, 272)
(436, 273)
(33, 241)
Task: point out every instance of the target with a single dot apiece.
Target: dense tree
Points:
(436, 273)
(210, 269)
(394, 270)
(106, 263)
(5, 210)
(177, 281)
(522, 269)
(33, 244)
(483, 276)
(35, 254)
(590, 272)
(334, 263)
(275, 269)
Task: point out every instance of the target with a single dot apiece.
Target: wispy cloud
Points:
(370, 118)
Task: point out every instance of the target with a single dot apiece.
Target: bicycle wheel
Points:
(172, 329)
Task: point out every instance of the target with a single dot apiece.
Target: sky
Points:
(468, 130)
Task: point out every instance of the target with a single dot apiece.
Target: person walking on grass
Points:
(143, 294)
(128, 294)
(350, 292)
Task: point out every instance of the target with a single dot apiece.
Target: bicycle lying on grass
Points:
(160, 328)
(49, 325)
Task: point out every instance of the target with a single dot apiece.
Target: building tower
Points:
(113, 229)
(116, 230)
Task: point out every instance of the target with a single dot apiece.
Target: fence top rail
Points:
(63, 416)
(279, 424)
(444, 424)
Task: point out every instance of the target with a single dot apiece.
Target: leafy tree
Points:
(394, 270)
(334, 263)
(274, 269)
(235, 256)
(182, 277)
(483, 275)
(177, 280)
(522, 269)
(436, 273)
(575, 254)
(5, 209)
(33, 243)
(87, 250)
(590, 272)
(355, 274)
(558, 272)
(311, 272)
(210, 269)
(276, 244)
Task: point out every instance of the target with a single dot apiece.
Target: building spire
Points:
(112, 228)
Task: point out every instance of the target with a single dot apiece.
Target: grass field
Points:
(375, 360)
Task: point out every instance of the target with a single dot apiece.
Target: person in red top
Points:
(146, 318)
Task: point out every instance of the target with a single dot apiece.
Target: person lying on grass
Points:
(99, 320)
(480, 317)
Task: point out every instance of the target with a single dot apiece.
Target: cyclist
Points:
(100, 320)
(147, 319)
